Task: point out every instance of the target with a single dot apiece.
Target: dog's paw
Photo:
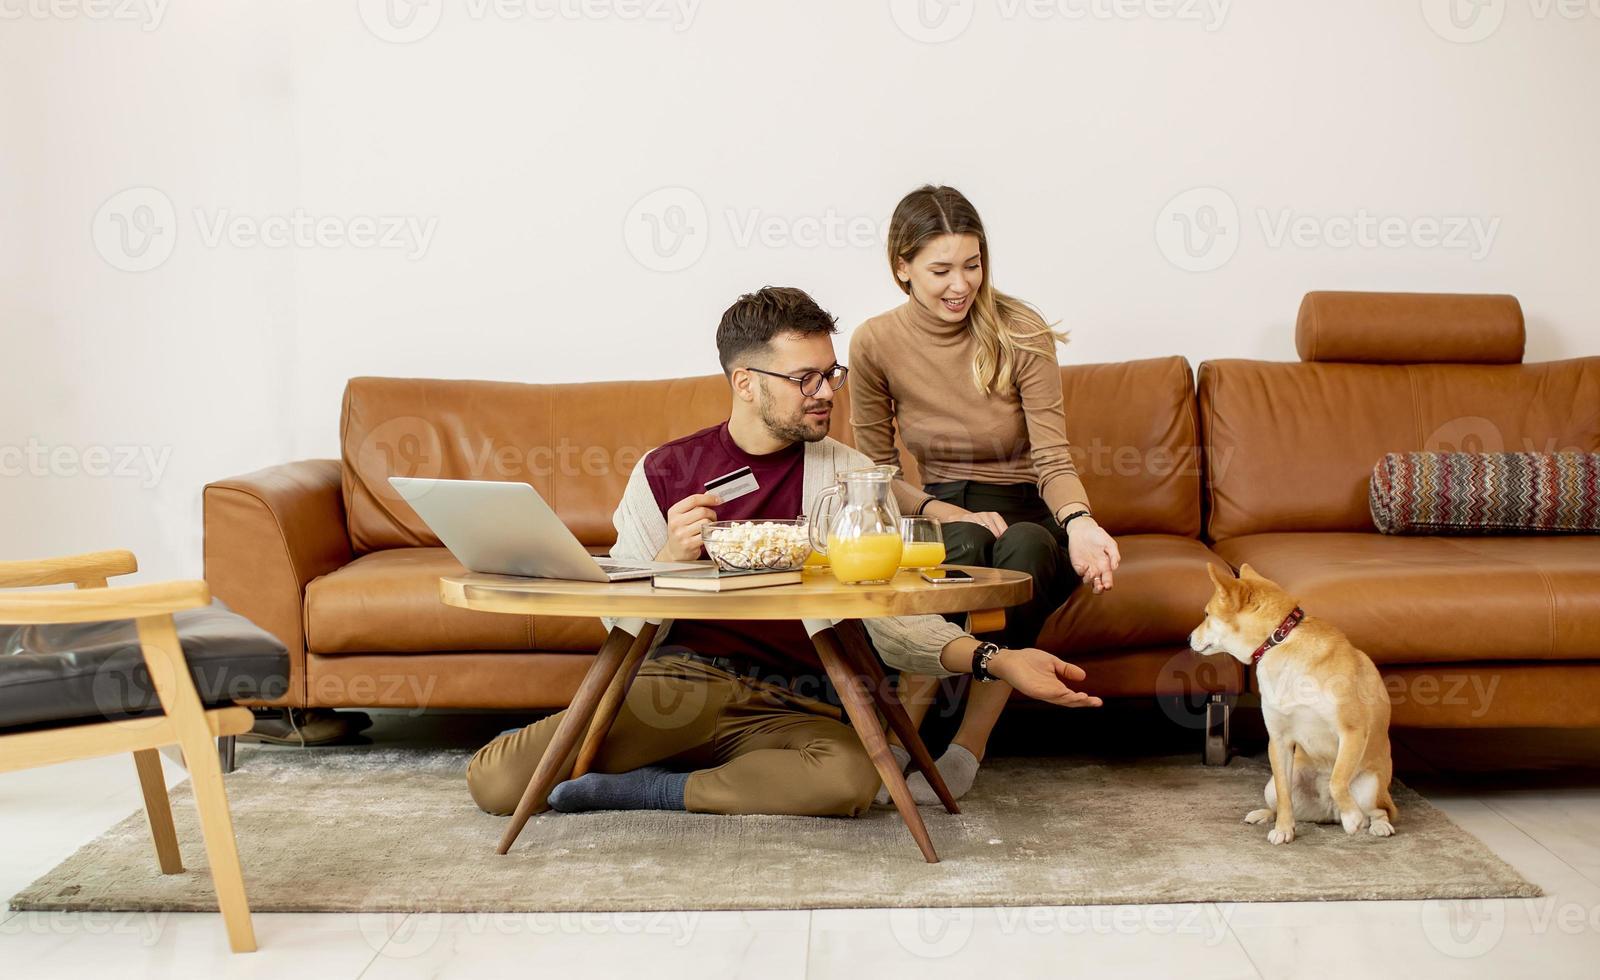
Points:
(1381, 827)
(1354, 821)
(1259, 816)
(1276, 836)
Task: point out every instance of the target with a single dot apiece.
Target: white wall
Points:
(536, 149)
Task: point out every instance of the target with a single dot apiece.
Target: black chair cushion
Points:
(85, 672)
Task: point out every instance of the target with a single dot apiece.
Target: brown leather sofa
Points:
(1468, 631)
(323, 554)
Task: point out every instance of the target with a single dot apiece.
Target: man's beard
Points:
(794, 428)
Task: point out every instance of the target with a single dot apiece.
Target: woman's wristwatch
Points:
(1064, 521)
(980, 661)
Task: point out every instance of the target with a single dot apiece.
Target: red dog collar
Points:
(1279, 635)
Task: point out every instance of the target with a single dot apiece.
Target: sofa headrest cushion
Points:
(1410, 328)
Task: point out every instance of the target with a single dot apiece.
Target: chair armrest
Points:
(102, 604)
(269, 533)
(91, 569)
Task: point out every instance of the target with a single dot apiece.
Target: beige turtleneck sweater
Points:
(913, 371)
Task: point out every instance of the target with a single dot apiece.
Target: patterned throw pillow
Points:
(1486, 493)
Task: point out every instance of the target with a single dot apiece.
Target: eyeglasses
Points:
(811, 382)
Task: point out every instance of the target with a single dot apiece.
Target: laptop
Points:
(508, 529)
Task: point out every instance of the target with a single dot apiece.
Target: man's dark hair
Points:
(755, 318)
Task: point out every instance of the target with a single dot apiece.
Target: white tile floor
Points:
(1551, 833)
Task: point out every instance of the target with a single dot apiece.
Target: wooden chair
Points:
(185, 723)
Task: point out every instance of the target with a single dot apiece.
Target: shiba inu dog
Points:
(1325, 705)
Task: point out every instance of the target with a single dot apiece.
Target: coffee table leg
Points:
(858, 647)
(859, 706)
(574, 722)
(615, 694)
(986, 621)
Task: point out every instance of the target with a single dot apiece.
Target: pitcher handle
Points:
(819, 519)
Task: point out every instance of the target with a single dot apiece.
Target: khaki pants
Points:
(753, 747)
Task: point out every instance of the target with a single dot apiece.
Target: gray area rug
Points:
(346, 830)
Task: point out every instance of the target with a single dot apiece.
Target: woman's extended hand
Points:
(1093, 552)
(950, 514)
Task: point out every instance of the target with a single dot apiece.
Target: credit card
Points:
(732, 486)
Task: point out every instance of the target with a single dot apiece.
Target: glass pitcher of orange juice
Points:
(861, 525)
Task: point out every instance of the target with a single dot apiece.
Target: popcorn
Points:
(763, 544)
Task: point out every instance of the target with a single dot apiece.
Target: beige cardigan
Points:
(909, 643)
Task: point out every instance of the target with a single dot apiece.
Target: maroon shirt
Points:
(681, 468)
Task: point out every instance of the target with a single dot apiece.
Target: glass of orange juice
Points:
(922, 543)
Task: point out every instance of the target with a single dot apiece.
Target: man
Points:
(710, 725)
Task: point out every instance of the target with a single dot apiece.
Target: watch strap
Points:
(980, 660)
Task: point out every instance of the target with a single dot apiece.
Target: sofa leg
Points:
(225, 750)
(1218, 712)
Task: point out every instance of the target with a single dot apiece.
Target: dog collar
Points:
(1279, 635)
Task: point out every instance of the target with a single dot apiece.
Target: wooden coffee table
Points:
(831, 613)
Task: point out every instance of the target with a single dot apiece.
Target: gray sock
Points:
(958, 767)
(902, 758)
(650, 788)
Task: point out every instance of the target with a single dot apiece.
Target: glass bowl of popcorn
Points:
(766, 545)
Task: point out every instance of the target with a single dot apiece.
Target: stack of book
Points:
(716, 579)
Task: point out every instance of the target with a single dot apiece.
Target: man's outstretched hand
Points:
(1042, 676)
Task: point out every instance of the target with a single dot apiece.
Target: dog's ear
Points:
(1226, 584)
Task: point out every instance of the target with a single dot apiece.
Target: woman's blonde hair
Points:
(1004, 326)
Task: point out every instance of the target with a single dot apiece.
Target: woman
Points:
(969, 378)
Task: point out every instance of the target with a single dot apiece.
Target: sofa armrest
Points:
(267, 534)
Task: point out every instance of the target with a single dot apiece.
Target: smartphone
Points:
(947, 577)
